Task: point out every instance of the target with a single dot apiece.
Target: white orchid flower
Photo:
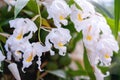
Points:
(95, 26)
(58, 37)
(58, 10)
(11, 48)
(19, 38)
(105, 48)
(86, 7)
(35, 49)
(28, 57)
(23, 26)
(94, 60)
(82, 19)
(90, 36)
(78, 18)
(39, 49)
(105, 28)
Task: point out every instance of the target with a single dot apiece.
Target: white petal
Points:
(99, 75)
(57, 8)
(14, 70)
(2, 57)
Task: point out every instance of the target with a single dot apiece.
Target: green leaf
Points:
(43, 33)
(79, 65)
(20, 4)
(76, 4)
(3, 39)
(45, 23)
(102, 9)
(52, 66)
(117, 16)
(88, 66)
(70, 2)
(65, 60)
(104, 69)
(32, 6)
(111, 22)
(59, 73)
(74, 73)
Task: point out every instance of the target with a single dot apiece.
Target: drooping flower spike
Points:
(97, 36)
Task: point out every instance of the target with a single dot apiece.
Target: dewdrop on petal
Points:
(14, 70)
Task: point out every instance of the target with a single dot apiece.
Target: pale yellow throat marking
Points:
(60, 44)
(20, 36)
(61, 17)
(88, 37)
(29, 59)
(79, 17)
(107, 56)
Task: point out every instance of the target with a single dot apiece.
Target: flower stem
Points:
(40, 17)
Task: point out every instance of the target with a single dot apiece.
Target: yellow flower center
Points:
(20, 36)
(61, 17)
(29, 59)
(60, 44)
(89, 37)
(107, 56)
(79, 17)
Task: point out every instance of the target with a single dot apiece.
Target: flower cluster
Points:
(19, 47)
(18, 43)
(97, 36)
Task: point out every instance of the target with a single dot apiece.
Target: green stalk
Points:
(40, 17)
(117, 16)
